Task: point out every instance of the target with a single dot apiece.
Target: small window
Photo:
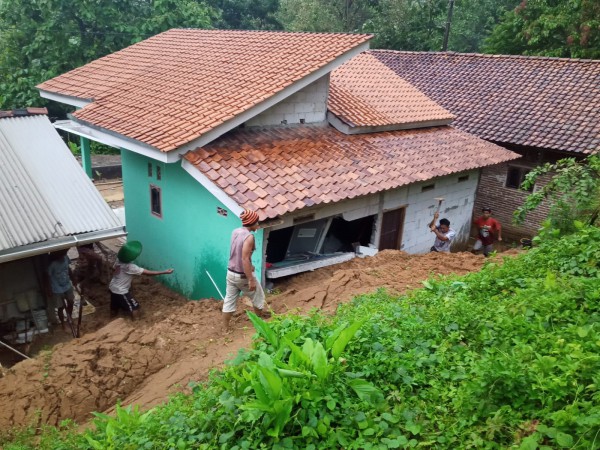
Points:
(155, 201)
(158, 173)
(463, 178)
(515, 177)
(149, 169)
(429, 187)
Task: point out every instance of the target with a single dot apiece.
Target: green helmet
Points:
(130, 251)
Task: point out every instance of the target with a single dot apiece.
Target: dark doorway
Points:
(391, 229)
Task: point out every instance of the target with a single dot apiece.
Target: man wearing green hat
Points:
(124, 271)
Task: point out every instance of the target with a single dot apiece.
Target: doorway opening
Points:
(315, 244)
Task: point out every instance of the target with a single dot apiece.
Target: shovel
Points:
(69, 318)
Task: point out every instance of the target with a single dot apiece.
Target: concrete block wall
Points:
(420, 206)
(492, 192)
(457, 207)
(308, 104)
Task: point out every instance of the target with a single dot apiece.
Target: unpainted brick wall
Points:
(492, 193)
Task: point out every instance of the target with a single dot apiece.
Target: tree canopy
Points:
(40, 39)
(565, 28)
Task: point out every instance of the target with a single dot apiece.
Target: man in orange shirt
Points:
(488, 230)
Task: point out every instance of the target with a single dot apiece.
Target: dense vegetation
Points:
(503, 358)
(40, 39)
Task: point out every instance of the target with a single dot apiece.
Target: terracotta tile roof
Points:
(549, 103)
(174, 87)
(24, 112)
(365, 92)
(280, 170)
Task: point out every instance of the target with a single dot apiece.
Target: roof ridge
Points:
(488, 55)
(312, 33)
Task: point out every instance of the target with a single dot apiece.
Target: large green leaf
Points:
(333, 336)
(319, 361)
(270, 382)
(299, 355)
(286, 373)
(264, 329)
(366, 391)
(282, 411)
(344, 338)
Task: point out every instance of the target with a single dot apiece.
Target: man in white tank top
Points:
(240, 271)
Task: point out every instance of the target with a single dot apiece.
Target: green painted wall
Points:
(191, 236)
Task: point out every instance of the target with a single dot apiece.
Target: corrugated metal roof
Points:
(44, 193)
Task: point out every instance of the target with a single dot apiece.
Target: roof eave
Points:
(112, 139)
(52, 245)
(66, 99)
(346, 128)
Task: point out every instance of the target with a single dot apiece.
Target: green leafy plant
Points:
(573, 193)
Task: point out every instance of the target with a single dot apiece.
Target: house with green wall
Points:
(338, 155)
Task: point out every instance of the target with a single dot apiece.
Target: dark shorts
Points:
(123, 301)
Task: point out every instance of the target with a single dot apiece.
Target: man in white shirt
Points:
(443, 234)
(120, 284)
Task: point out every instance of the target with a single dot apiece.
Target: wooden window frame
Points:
(154, 188)
(523, 171)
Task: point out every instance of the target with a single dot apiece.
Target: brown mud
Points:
(177, 341)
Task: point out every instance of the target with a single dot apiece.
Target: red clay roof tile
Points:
(310, 165)
(551, 103)
(364, 92)
(146, 91)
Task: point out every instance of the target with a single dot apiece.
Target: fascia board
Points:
(211, 187)
(343, 127)
(65, 242)
(66, 99)
(113, 140)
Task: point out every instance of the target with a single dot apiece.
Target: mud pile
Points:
(177, 341)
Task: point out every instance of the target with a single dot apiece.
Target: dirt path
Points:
(177, 341)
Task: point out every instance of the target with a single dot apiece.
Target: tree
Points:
(419, 25)
(40, 39)
(325, 15)
(247, 14)
(573, 192)
(562, 28)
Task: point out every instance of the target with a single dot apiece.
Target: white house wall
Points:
(309, 104)
(420, 206)
(457, 207)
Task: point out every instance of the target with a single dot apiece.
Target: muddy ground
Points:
(177, 341)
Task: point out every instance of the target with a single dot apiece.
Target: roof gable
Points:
(365, 93)
(549, 103)
(173, 88)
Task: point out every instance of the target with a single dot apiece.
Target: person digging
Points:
(443, 234)
(240, 271)
(123, 272)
